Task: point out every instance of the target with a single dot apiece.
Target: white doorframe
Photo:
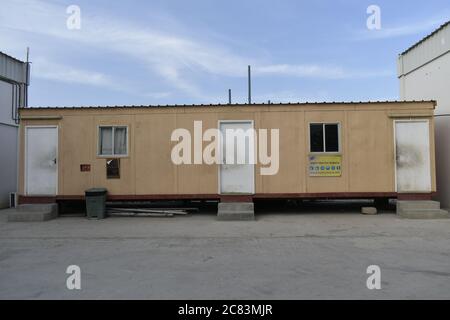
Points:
(26, 156)
(395, 145)
(219, 122)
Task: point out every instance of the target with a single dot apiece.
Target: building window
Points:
(113, 168)
(324, 137)
(113, 141)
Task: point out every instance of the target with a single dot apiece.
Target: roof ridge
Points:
(229, 105)
(11, 57)
(442, 26)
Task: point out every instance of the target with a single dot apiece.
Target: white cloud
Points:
(168, 55)
(176, 58)
(314, 71)
(292, 96)
(44, 69)
(318, 71)
(412, 28)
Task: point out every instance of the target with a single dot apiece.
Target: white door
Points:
(41, 160)
(237, 154)
(412, 148)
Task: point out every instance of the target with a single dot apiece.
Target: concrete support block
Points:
(236, 211)
(403, 205)
(369, 210)
(425, 214)
(421, 210)
(33, 212)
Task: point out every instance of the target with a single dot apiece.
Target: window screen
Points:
(324, 137)
(113, 141)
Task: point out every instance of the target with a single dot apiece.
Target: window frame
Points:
(112, 155)
(110, 177)
(324, 137)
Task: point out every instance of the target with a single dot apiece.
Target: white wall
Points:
(432, 81)
(8, 143)
(429, 82)
(8, 160)
(443, 159)
(5, 103)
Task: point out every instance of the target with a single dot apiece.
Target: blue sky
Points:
(179, 51)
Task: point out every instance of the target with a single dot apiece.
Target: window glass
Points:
(106, 141)
(316, 137)
(120, 141)
(113, 141)
(331, 138)
(113, 168)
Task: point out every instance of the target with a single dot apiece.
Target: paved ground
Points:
(280, 256)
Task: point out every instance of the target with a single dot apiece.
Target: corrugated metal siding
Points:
(12, 68)
(433, 47)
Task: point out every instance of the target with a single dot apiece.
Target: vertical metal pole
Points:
(249, 86)
(229, 96)
(27, 79)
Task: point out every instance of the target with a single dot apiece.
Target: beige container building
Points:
(326, 150)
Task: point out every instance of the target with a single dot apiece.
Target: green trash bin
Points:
(96, 203)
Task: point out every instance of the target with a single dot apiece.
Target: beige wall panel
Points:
(291, 175)
(371, 152)
(197, 178)
(155, 172)
(77, 143)
(126, 183)
(328, 184)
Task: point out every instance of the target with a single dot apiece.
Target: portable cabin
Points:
(325, 150)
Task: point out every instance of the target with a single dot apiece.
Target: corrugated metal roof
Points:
(426, 37)
(11, 57)
(430, 48)
(12, 68)
(230, 105)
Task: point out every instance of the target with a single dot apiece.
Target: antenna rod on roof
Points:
(249, 85)
(27, 79)
(229, 96)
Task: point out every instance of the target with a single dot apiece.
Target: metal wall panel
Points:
(12, 69)
(8, 160)
(431, 48)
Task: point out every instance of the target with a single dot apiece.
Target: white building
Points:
(13, 94)
(424, 73)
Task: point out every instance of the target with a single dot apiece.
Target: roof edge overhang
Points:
(230, 105)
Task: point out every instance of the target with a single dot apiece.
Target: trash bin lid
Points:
(95, 192)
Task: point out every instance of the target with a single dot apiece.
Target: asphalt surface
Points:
(287, 255)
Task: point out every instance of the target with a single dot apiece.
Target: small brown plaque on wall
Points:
(85, 167)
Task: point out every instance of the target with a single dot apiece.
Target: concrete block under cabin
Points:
(369, 210)
(236, 211)
(421, 210)
(33, 212)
